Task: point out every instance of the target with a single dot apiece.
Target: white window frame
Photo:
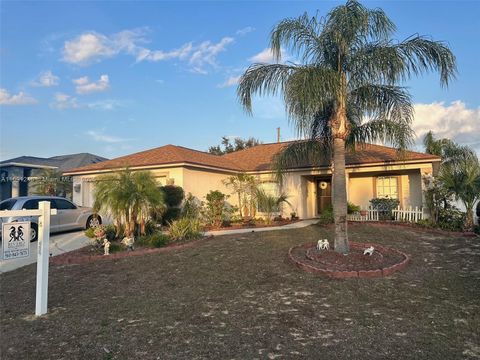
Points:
(384, 190)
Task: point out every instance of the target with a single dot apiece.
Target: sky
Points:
(112, 78)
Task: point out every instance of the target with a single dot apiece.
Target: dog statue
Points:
(323, 244)
(128, 242)
(369, 251)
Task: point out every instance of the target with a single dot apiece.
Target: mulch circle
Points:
(383, 262)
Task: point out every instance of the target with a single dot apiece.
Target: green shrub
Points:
(352, 208)
(170, 215)
(185, 229)
(215, 210)
(110, 232)
(151, 227)
(476, 229)
(427, 223)
(326, 217)
(451, 219)
(174, 195)
(90, 233)
(191, 207)
(384, 207)
(115, 247)
(158, 240)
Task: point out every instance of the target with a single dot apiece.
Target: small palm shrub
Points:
(185, 229)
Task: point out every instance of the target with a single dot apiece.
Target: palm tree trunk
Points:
(340, 196)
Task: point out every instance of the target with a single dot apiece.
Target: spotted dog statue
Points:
(323, 244)
(369, 251)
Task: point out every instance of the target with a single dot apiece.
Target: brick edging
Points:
(339, 274)
(66, 258)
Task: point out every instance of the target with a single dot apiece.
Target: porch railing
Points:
(406, 215)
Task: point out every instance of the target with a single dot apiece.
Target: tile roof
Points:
(62, 162)
(257, 158)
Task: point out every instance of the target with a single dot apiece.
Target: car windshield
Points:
(7, 204)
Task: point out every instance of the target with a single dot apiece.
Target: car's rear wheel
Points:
(93, 220)
(33, 232)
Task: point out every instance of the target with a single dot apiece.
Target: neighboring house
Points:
(372, 171)
(17, 175)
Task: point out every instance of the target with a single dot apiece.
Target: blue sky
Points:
(113, 78)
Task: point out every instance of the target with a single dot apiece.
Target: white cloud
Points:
(206, 54)
(19, 99)
(85, 86)
(63, 101)
(245, 30)
(231, 81)
(266, 56)
(454, 121)
(109, 104)
(101, 137)
(92, 47)
(46, 79)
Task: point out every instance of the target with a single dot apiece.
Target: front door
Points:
(324, 195)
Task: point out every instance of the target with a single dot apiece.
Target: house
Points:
(372, 171)
(16, 174)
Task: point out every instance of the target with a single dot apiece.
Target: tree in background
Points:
(227, 147)
(344, 88)
(51, 182)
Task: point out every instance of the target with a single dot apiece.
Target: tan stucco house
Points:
(372, 171)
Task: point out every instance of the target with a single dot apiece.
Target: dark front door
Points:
(324, 194)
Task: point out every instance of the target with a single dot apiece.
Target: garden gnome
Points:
(128, 242)
(106, 247)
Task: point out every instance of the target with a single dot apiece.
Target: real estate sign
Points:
(15, 240)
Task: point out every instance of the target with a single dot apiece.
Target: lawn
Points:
(236, 297)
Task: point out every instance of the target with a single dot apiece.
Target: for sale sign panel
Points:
(16, 240)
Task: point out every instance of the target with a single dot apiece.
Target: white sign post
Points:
(43, 214)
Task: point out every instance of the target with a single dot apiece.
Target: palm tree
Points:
(269, 203)
(462, 178)
(129, 197)
(50, 182)
(345, 87)
(245, 186)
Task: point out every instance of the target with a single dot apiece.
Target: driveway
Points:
(59, 244)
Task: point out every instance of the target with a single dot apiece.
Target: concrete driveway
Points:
(59, 244)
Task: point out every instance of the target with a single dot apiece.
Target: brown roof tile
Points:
(258, 158)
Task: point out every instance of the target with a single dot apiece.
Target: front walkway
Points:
(295, 225)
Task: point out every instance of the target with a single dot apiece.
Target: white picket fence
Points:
(407, 215)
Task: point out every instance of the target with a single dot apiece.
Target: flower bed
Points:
(254, 225)
(384, 261)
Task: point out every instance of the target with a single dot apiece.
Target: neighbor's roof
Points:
(257, 158)
(61, 162)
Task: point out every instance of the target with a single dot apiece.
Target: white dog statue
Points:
(369, 251)
(323, 244)
(106, 247)
(128, 242)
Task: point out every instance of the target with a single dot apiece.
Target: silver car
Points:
(69, 216)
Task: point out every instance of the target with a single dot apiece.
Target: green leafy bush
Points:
(159, 240)
(90, 233)
(115, 247)
(170, 215)
(326, 217)
(451, 219)
(191, 207)
(174, 195)
(214, 210)
(384, 207)
(110, 232)
(151, 227)
(352, 208)
(185, 229)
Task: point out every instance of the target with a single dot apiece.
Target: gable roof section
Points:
(164, 155)
(258, 158)
(61, 162)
